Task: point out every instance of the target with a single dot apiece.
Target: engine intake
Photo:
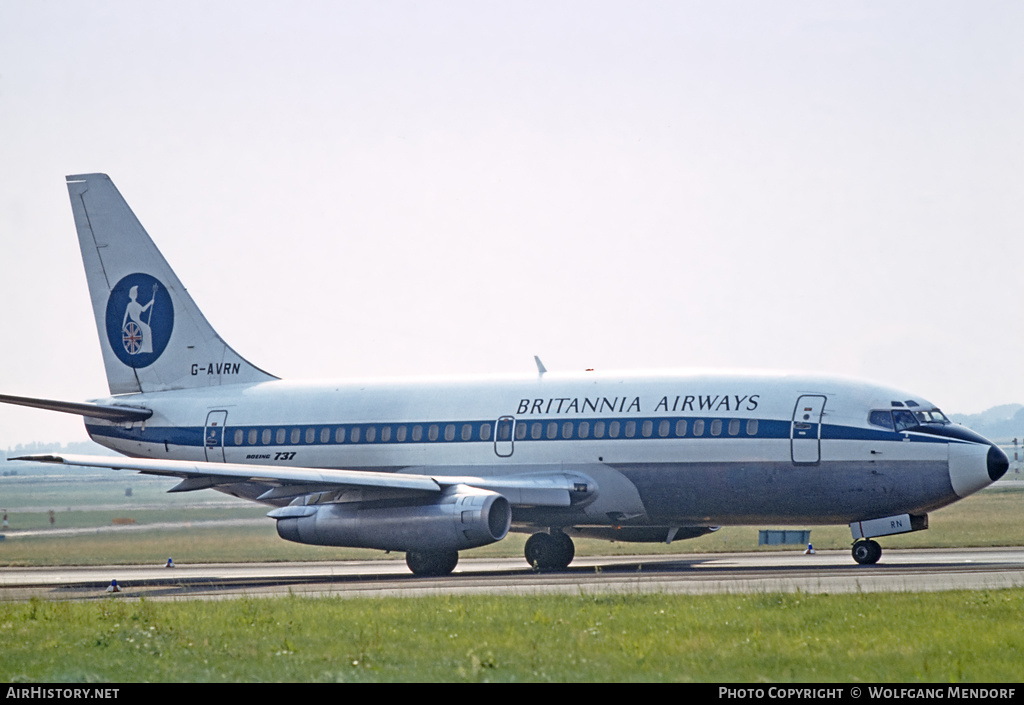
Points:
(462, 517)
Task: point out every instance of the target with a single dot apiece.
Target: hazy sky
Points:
(405, 188)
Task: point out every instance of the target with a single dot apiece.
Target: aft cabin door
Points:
(214, 436)
(805, 433)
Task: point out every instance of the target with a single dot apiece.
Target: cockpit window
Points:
(933, 416)
(881, 418)
(904, 419)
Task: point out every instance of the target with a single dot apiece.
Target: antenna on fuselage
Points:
(540, 366)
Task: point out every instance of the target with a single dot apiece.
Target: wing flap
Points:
(197, 482)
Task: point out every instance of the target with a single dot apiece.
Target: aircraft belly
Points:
(771, 493)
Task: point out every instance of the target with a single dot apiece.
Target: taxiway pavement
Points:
(824, 572)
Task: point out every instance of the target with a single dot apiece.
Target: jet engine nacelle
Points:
(462, 517)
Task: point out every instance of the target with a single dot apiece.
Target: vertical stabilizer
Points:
(152, 334)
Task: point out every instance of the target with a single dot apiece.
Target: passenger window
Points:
(371, 434)
(734, 427)
(613, 429)
(325, 435)
(716, 427)
(567, 429)
(239, 437)
(385, 434)
(599, 429)
(552, 429)
(266, 436)
(584, 429)
(353, 435)
(630, 429)
(647, 429)
(417, 433)
(339, 434)
(467, 432)
(752, 427)
(449, 432)
(698, 427)
(663, 428)
(310, 435)
(279, 438)
(681, 428)
(252, 436)
(485, 432)
(400, 434)
(520, 432)
(432, 432)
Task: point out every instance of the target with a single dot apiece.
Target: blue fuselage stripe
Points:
(483, 431)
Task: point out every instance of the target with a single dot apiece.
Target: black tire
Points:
(548, 552)
(432, 563)
(566, 549)
(867, 552)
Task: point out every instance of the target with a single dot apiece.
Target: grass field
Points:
(944, 637)
(924, 637)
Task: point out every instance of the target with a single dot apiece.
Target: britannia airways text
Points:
(634, 404)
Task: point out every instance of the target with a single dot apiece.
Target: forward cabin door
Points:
(214, 436)
(805, 432)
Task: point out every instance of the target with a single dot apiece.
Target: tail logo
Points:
(140, 317)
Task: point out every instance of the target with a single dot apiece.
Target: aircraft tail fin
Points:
(152, 334)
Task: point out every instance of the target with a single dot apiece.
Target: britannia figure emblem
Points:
(139, 319)
(136, 334)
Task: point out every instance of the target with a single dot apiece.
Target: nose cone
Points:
(998, 463)
(975, 465)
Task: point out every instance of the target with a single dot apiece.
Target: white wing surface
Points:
(549, 489)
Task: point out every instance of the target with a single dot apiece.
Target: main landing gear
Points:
(546, 552)
(866, 552)
(432, 563)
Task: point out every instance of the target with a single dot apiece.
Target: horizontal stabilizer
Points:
(96, 411)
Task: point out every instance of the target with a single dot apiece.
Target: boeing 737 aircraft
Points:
(434, 466)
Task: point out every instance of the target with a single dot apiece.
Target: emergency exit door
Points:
(504, 436)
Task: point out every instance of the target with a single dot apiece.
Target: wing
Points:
(282, 484)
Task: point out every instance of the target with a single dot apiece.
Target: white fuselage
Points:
(683, 449)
